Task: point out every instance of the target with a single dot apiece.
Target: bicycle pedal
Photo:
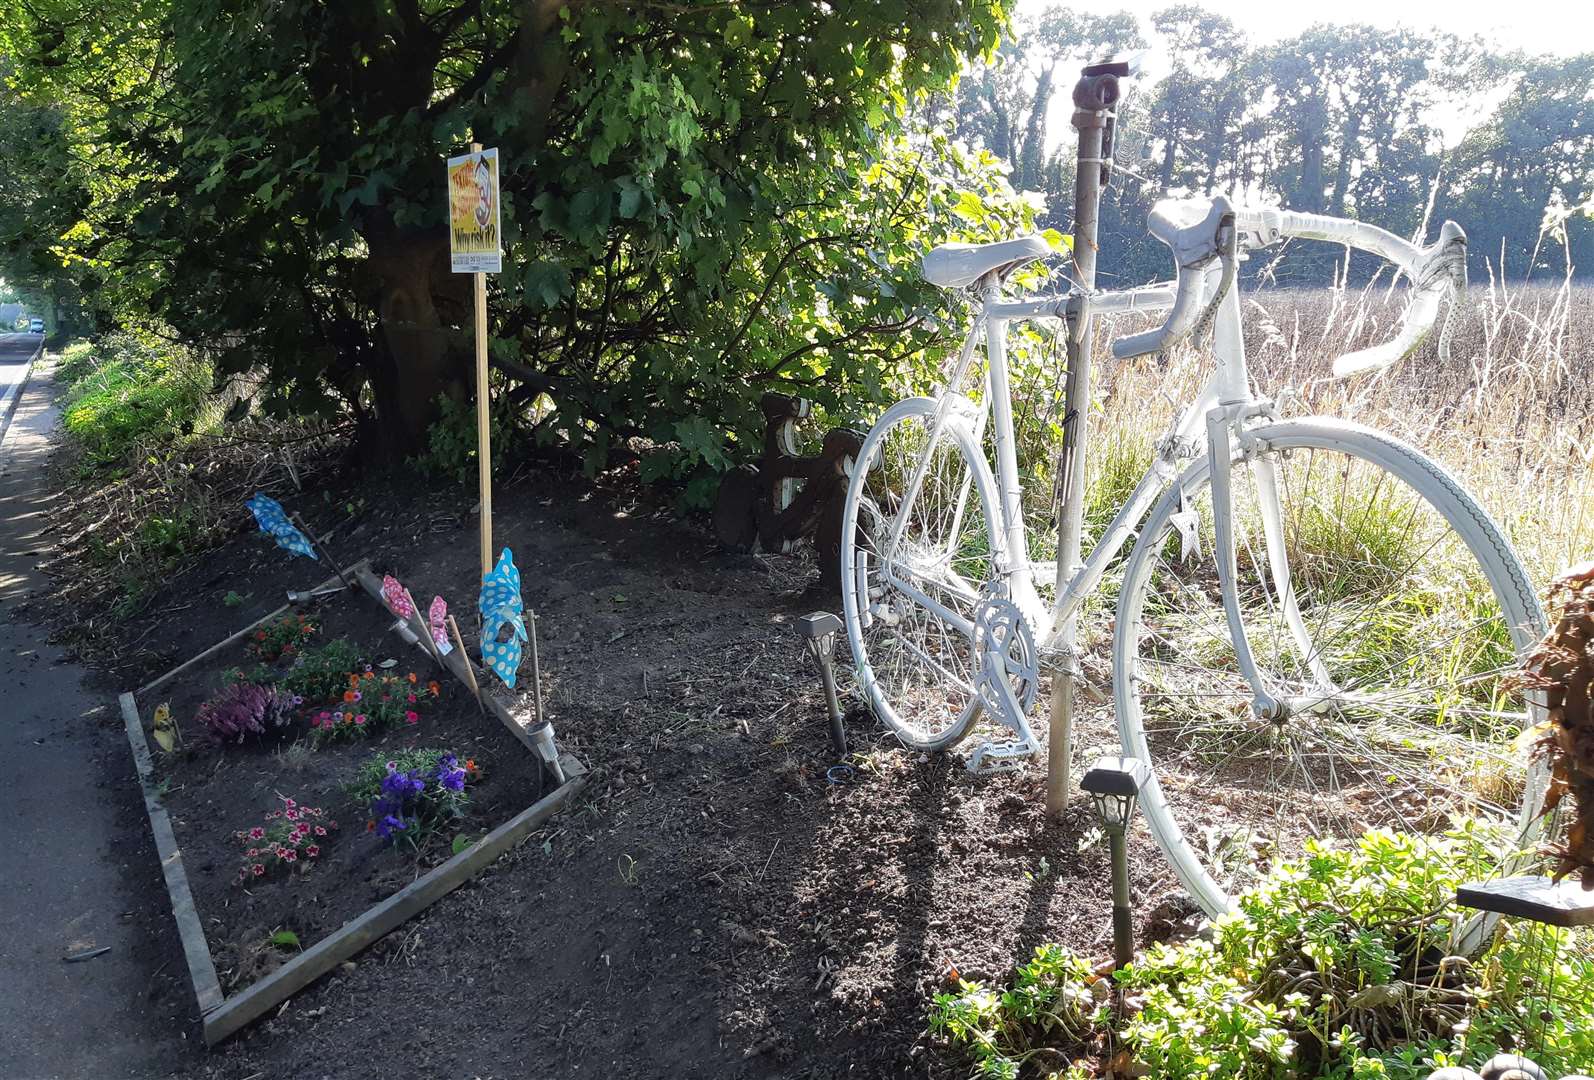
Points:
(990, 758)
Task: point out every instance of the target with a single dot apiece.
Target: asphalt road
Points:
(15, 352)
(80, 869)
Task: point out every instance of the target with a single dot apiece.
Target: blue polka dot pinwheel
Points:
(275, 524)
(501, 607)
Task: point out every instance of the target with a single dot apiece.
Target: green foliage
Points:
(132, 394)
(451, 441)
(1049, 1013)
(281, 637)
(321, 673)
(1338, 965)
(690, 207)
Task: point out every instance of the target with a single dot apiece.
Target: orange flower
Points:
(470, 766)
(411, 676)
(434, 688)
(354, 680)
(348, 695)
(370, 826)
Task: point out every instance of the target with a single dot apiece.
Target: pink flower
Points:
(358, 720)
(257, 832)
(291, 815)
(289, 802)
(319, 831)
(258, 870)
(411, 699)
(315, 721)
(412, 717)
(312, 851)
(252, 852)
(290, 855)
(274, 814)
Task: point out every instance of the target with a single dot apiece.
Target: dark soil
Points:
(215, 792)
(714, 905)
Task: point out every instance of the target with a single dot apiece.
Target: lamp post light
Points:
(819, 638)
(1114, 785)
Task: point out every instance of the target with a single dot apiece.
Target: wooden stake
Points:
(536, 673)
(430, 646)
(470, 669)
(484, 464)
(315, 542)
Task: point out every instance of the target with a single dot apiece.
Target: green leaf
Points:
(285, 939)
(461, 842)
(1058, 241)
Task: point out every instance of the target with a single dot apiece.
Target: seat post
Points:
(1094, 97)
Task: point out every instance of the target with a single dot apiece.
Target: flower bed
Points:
(319, 774)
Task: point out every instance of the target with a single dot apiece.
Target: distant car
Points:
(35, 326)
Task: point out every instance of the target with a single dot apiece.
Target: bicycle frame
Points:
(1210, 423)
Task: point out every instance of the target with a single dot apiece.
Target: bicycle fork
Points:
(1225, 428)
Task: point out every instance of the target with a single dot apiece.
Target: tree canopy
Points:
(702, 201)
(698, 198)
(1339, 120)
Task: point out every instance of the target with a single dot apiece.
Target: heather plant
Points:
(370, 702)
(414, 794)
(290, 838)
(246, 710)
(282, 639)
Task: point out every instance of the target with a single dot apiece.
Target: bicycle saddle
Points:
(952, 266)
(1189, 226)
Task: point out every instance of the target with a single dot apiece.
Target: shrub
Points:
(370, 702)
(1338, 965)
(244, 710)
(283, 638)
(291, 837)
(413, 794)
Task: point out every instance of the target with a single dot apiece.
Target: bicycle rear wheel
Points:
(916, 553)
(1386, 619)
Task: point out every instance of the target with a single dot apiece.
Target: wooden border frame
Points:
(223, 1016)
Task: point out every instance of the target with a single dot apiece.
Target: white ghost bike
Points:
(1316, 624)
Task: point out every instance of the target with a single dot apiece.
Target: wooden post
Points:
(1088, 177)
(484, 467)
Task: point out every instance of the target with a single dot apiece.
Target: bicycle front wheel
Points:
(916, 555)
(1386, 614)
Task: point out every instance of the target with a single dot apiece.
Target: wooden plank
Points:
(365, 930)
(162, 680)
(201, 968)
(455, 663)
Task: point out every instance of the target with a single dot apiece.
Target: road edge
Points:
(8, 408)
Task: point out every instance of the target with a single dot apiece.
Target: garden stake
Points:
(819, 638)
(431, 646)
(470, 668)
(315, 542)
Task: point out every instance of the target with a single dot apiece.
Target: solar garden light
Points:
(1114, 785)
(819, 638)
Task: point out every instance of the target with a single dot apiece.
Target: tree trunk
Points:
(409, 275)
